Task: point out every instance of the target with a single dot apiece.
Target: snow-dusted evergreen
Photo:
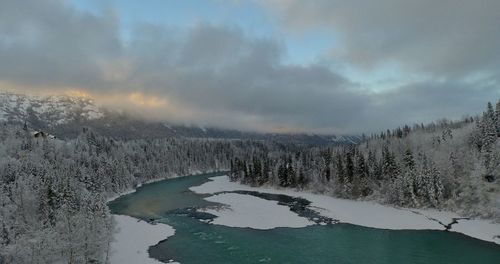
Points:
(446, 165)
(53, 193)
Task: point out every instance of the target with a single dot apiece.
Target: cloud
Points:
(220, 70)
(220, 76)
(48, 42)
(440, 38)
(431, 100)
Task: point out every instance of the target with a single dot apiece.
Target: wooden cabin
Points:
(40, 134)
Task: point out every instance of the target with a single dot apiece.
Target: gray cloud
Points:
(440, 38)
(219, 76)
(48, 42)
(431, 100)
(222, 70)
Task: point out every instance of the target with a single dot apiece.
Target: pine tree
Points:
(490, 113)
(290, 172)
(389, 166)
(447, 134)
(4, 236)
(302, 180)
(282, 176)
(231, 170)
(371, 163)
(408, 160)
(349, 168)
(257, 171)
(498, 118)
(439, 187)
(340, 169)
(362, 175)
(265, 172)
(488, 134)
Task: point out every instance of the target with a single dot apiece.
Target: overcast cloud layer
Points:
(221, 76)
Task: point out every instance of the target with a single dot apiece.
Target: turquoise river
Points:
(171, 202)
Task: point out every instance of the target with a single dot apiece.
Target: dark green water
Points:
(198, 242)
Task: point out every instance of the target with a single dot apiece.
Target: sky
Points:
(323, 66)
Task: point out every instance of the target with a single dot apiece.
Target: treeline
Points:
(452, 165)
(53, 193)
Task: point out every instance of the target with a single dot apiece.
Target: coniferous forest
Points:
(249, 131)
(54, 192)
(451, 165)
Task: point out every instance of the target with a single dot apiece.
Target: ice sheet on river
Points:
(363, 213)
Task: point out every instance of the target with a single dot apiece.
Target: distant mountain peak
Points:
(65, 115)
(50, 110)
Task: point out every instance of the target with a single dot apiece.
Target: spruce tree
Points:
(302, 180)
(340, 169)
(349, 167)
(362, 175)
(408, 160)
(282, 175)
(389, 165)
(488, 134)
(498, 118)
(290, 172)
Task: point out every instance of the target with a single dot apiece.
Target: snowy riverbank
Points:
(134, 237)
(363, 213)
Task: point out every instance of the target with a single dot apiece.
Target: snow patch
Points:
(480, 229)
(367, 213)
(253, 212)
(134, 237)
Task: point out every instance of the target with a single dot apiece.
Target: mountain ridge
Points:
(65, 115)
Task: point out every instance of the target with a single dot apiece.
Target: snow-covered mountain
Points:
(64, 116)
(47, 111)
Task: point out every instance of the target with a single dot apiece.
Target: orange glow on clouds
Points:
(140, 99)
(77, 93)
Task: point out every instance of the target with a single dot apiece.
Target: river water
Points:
(195, 241)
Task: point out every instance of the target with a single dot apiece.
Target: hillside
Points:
(443, 165)
(47, 111)
(64, 116)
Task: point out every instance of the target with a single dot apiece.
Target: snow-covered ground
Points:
(253, 212)
(478, 228)
(363, 213)
(134, 237)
